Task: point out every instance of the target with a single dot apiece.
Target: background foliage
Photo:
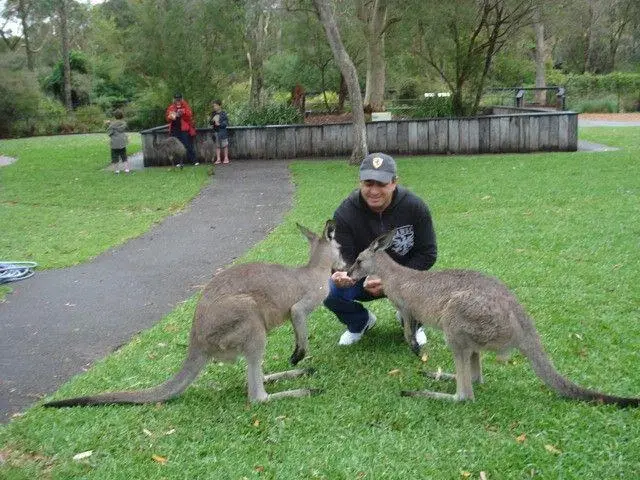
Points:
(136, 53)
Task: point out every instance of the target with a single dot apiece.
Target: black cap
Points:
(177, 96)
(379, 167)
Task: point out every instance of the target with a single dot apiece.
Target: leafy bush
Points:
(147, 110)
(326, 101)
(20, 95)
(595, 91)
(270, 114)
(428, 107)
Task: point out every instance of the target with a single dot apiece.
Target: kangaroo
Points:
(237, 309)
(476, 312)
(171, 149)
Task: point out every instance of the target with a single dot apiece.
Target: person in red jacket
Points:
(180, 118)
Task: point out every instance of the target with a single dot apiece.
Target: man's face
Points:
(378, 195)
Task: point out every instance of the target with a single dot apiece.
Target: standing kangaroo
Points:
(475, 312)
(237, 309)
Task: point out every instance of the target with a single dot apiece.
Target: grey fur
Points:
(237, 309)
(170, 150)
(476, 312)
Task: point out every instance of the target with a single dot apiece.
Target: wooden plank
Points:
(514, 134)
(563, 133)
(317, 141)
(381, 134)
(422, 128)
(412, 137)
(572, 145)
(503, 142)
(303, 142)
(402, 137)
(484, 135)
(473, 135)
(392, 137)
(494, 135)
(543, 133)
(534, 133)
(453, 135)
(554, 138)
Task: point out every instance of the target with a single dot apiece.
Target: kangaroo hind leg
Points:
(256, 377)
(463, 377)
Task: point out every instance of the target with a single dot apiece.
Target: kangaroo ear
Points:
(329, 231)
(306, 232)
(384, 241)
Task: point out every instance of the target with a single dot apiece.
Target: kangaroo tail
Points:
(195, 362)
(545, 370)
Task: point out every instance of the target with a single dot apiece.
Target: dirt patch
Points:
(612, 117)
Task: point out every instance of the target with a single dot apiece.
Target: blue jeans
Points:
(187, 141)
(344, 302)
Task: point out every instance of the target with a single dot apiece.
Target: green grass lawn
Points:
(561, 229)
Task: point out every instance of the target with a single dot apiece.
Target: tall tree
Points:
(63, 23)
(374, 16)
(461, 40)
(30, 15)
(348, 69)
(540, 57)
(258, 18)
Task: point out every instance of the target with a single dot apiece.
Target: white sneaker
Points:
(421, 336)
(197, 163)
(349, 338)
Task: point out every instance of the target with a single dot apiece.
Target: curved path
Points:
(58, 322)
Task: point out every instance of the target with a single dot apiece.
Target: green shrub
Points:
(20, 96)
(426, 107)
(270, 114)
(89, 119)
(603, 105)
(326, 101)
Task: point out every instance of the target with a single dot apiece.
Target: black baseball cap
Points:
(379, 167)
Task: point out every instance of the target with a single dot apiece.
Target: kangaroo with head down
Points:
(237, 309)
(476, 312)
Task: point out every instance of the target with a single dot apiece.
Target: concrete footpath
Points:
(55, 324)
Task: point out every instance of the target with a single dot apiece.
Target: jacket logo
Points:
(403, 240)
(377, 162)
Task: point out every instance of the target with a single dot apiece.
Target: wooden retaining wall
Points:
(502, 132)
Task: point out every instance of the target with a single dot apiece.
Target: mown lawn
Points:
(561, 229)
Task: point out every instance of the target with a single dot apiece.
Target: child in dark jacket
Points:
(219, 121)
(117, 131)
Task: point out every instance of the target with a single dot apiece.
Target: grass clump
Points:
(561, 229)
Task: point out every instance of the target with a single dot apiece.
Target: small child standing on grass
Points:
(117, 131)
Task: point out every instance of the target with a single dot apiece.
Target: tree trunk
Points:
(375, 23)
(66, 61)
(538, 26)
(257, 26)
(23, 14)
(348, 69)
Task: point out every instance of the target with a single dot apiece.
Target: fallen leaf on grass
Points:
(170, 432)
(395, 371)
(259, 468)
(81, 455)
(483, 476)
(159, 459)
(465, 474)
(147, 432)
(521, 438)
(552, 449)
(424, 358)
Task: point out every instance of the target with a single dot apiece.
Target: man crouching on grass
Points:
(378, 206)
